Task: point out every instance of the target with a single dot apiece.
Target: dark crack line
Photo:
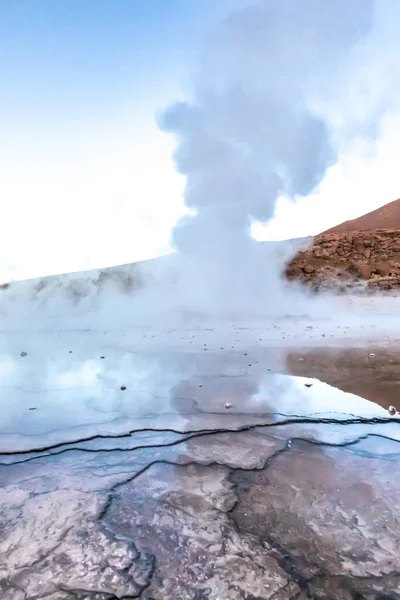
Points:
(248, 427)
(108, 450)
(201, 434)
(122, 436)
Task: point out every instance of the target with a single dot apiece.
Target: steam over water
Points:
(249, 135)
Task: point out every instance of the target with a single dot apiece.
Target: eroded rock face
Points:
(341, 260)
(294, 517)
(333, 529)
(52, 545)
(183, 515)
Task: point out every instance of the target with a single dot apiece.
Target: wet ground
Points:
(216, 466)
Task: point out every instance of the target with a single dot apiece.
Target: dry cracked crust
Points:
(246, 515)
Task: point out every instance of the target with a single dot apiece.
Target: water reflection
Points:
(294, 395)
(57, 395)
(59, 399)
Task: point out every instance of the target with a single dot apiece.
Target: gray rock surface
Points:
(257, 502)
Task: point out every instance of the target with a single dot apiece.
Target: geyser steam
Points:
(249, 135)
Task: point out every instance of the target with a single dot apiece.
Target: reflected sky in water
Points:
(68, 388)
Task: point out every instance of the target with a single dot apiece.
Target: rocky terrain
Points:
(361, 254)
(367, 260)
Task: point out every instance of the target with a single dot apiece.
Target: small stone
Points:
(301, 359)
(362, 270)
(309, 269)
(392, 410)
(371, 354)
(228, 405)
(384, 269)
(123, 387)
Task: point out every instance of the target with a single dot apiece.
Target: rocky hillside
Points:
(385, 217)
(345, 260)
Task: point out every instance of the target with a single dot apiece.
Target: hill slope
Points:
(385, 217)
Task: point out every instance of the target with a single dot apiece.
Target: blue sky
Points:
(86, 176)
(89, 58)
(81, 84)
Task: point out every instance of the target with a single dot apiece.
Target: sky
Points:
(87, 177)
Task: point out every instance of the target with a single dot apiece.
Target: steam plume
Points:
(249, 135)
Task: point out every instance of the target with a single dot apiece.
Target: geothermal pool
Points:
(200, 461)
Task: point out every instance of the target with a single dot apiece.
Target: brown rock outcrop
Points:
(365, 259)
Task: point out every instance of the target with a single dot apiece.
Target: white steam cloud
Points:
(250, 135)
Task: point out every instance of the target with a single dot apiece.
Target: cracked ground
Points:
(224, 470)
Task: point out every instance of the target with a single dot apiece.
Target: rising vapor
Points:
(249, 136)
